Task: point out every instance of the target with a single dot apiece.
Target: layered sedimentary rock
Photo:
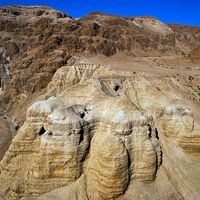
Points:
(38, 40)
(104, 130)
(93, 132)
(129, 130)
(7, 132)
(179, 122)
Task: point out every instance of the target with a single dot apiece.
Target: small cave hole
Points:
(17, 127)
(83, 159)
(156, 133)
(50, 133)
(161, 157)
(149, 131)
(42, 131)
(116, 88)
(81, 136)
(82, 115)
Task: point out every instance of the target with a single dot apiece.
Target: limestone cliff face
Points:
(38, 40)
(107, 129)
(7, 132)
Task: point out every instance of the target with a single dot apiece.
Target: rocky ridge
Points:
(106, 128)
(39, 40)
(113, 107)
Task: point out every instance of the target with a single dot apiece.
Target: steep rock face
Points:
(108, 168)
(7, 132)
(105, 129)
(186, 35)
(95, 133)
(39, 40)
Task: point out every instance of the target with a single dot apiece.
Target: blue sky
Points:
(177, 11)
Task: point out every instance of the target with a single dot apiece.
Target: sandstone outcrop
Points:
(108, 130)
(104, 107)
(94, 133)
(39, 40)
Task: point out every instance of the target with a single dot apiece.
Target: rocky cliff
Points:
(111, 129)
(38, 40)
(110, 107)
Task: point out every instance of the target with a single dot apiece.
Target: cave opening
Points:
(82, 115)
(50, 133)
(156, 133)
(17, 127)
(116, 88)
(42, 131)
(81, 135)
(149, 131)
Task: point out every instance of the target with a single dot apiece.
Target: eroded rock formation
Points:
(7, 132)
(109, 128)
(124, 126)
(39, 40)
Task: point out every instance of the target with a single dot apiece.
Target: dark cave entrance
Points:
(82, 115)
(156, 133)
(149, 131)
(42, 131)
(116, 88)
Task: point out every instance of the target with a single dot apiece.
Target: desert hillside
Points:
(96, 108)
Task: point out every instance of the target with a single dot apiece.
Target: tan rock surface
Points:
(7, 132)
(103, 125)
(39, 40)
(124, 126)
